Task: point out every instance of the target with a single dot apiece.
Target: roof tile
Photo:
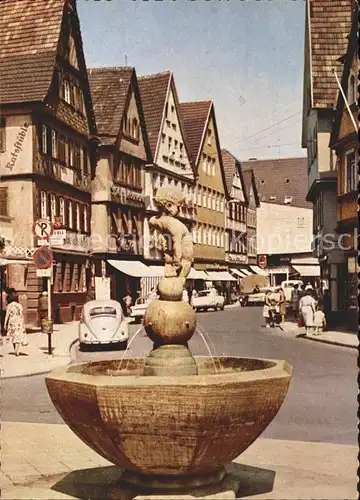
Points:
(329, 27)
(109, 91)
(29, 35)
(280, 178)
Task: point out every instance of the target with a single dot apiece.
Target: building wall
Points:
(283, 229)
(18, 155)
(130, 145)
(171, 154)
(210, 200)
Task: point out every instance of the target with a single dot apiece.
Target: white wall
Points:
(283, 229)
(18, 155)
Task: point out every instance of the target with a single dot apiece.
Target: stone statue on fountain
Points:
(176, 240)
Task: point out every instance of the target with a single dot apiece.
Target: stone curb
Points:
(44, 370)
(325, 341)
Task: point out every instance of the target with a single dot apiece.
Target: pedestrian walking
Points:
(282, 304)
(319, 321)
(194, 294)
(185, 296)
(266, 310)
(14, 323)
(128, 303)
(295, 294)
(307, 310)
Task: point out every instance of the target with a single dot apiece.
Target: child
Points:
(266, 309)
(319, 321)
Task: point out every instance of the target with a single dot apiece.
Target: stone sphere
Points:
(168, 322)
(171, 288)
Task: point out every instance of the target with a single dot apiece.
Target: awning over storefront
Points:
(313, 271)
(132, 268)
(156, 271)
(238, 272)
(5, 262)
(246, 272)
(219, 276)
(258, 270)
(306, 261)
(197, 275)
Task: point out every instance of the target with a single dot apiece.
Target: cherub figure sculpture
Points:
(176, 240)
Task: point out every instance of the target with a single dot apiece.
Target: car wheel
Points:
(222, 307)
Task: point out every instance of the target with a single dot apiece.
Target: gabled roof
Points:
(281, 178)
(348, 59)
(231, 164)
(109, 90)
(329, 26)
(29, 36)
(154, 91)
(195, 116)
(249, 181)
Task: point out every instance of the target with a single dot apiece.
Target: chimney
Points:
(253, 159)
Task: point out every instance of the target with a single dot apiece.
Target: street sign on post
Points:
(262, 261)
(44, 273)
(43, 229)
(43, 258)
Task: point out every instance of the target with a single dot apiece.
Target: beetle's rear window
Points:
(109, 311)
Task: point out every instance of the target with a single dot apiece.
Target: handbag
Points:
(25, 342)
(300, 322)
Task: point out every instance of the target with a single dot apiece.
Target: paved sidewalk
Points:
(33, 358)
(330, 337)
(47, 461)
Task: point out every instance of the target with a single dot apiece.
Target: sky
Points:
(245, 55)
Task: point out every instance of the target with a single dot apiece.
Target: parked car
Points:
(258, 299)
(102, 322)
(138, 310)
(288, 287)
(208, 299)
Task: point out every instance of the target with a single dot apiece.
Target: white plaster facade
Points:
(171, 167)
(283, 229)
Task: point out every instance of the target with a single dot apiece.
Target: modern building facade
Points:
(284, 217)
(46, 158)
(210, 192)
(326, 31)
(344, 141)
(171, 163)
(118, 201)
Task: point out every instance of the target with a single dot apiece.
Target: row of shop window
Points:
(74, 215)
(68, 152)
(69, 277)
(128, 172)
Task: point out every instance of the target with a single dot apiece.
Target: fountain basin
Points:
(170, 426)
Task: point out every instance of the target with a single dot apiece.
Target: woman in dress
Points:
(307, 306)
(14, 322)
(282, 305)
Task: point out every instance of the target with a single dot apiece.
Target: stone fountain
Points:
(171, 421)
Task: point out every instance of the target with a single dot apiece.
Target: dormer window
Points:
(288, 200)
(287, 181)
(352, 89)
(272, 198)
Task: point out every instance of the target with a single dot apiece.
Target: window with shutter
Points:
(44, 205)
(70, 215)
(4, 205)
(44, 147)
(2, 134)
(62, 210)
(54, 143)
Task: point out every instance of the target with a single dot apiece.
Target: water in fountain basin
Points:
(202, 335)
(129, 344)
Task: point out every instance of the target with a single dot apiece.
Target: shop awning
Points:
(246, 272)
(158, 272)
(238, 272)
(306, 261)
(258, 270)
(313, 271)
(197, 275)
(5, 262)
(132, 268)
(219, 276)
